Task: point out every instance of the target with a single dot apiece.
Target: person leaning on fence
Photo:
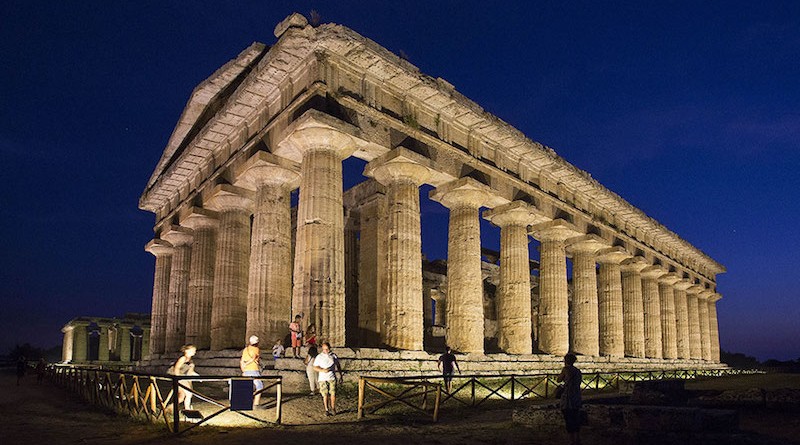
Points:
(184, 366)
(571, 397)
(250, 364)
(445, 365)
(311, 373)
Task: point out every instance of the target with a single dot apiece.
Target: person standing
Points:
(297, 336)
(21, 365)
(446, 364)
(250, 364)
(324, 365)
(185, 366)
(312, 375)
(571, 398)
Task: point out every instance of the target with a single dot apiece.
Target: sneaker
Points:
(333, 412)
(328, 413)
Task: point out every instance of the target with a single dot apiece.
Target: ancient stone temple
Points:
(102, 340)
(253, 225)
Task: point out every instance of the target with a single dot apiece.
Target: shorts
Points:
(296, 341)
(572, 418)
(447, 376)
(327, 387)
(259, 385)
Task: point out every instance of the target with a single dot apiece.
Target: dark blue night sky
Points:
(689, 110)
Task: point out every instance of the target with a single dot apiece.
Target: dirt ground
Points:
(44, 414)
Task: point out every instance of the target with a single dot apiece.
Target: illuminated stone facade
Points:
(100, 340)
(286, 117)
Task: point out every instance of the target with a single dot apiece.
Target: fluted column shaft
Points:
(705, 331)
(669, 325)
(158, 315)
(178, 296)
(713, 328)
(201, 278)
(633, 309)
(371, 270)
(229, 306)
(319, 260)
(682, 316)
(514, 293)
(610, 313)
(585, 324)
(652, 315)
(695, 344)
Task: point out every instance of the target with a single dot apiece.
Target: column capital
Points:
(227, 197)
(315, 130)
(177, 236)
(694, 289)
(613, 255)
(400, 164)
(158, 247)
(683, 284)
(715, 297)
(590, 244)
(265, 168)
(635, 264)
(515, 213)
(464, 192)
(198, 218)
(653, 272)
(669, 279)
(555, 230)
(705, 294)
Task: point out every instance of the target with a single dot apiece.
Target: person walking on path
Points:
(297, 336)
(312, 374)
(324, 365)
(250, 364)
(571, 398)
(21, 365)
(185, 366)
(445, 365)
(41, 366)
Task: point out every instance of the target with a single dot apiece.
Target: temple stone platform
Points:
(383, 363)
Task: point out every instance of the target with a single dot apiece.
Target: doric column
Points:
(464, 197)
(553, 298)
(669, 323)
(692, 303)
(371, 270)
(162, 250)
(682, 315)
(229, 305)
(269, 289)
(633, 306)
(204, 224)
(705, 331)
(610, 313)
(402, 172)
(181, 240)
(351, 227)
(513, 297)
(713, 326)
(80, 346)
(585, 329)
(652, 312)
(440, 307)
(320, 143)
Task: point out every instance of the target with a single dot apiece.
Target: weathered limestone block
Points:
(162, 250)
(464, 197)
(705, 330)
(320, 143)
(669, 323)
(610, 312)
(229, 305)
(402, 172)
(692, 303)
(652, 312)
(553, 304)
(585, 323)
(204, 224)
(682, 315)
(181, 240)
(513, 297)
(269, 305)
(633, 306)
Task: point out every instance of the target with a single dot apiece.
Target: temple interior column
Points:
(692, 303)
(610, 312)
(402, 172)
(682, 315)
(80, 347)
(269, 289)
(351, 250)
(204, 224)
(713, 326)
(513, 297)
(553, 298)
(633, 306)
(162, 250)
(652, 312)
(229, 305)
(669, 324)
(372, 270)
(464, 197)
(181, 240)
(705, 331)
(585, 327)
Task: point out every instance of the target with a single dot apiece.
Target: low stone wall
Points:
(782, 398)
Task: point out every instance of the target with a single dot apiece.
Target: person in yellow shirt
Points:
(250, 365)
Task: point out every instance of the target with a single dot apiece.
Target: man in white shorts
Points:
(323, 364)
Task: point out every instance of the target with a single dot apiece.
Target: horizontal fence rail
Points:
(476, 389)
(155, 397)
